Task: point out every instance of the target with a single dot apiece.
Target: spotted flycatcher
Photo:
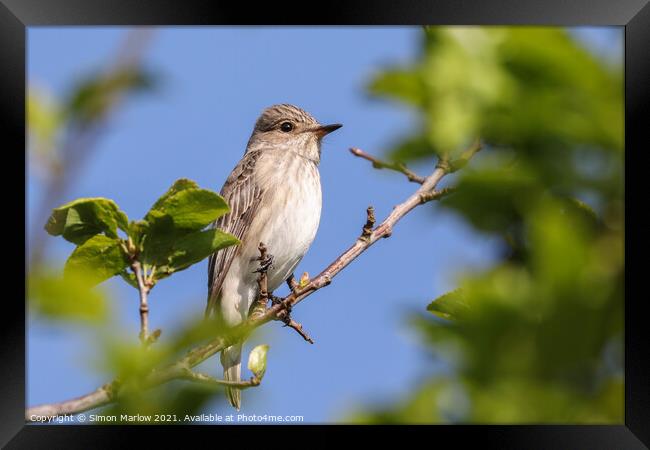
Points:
(274, 195)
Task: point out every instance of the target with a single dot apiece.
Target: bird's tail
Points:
(231, 362)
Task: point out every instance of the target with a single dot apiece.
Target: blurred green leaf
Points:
(99, 258)
(44, 120)
(449, 305)
(67, 298)
(130, 361)
(494, 197)
(84, 218)
(416, 409)
(530, 334)
(508, 85)
(401, 84)
(412, 147)
(92, 97)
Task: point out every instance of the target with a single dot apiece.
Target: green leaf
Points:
(99, 258)
(179, 185)
(583, 209)
(401, 84)
(95, 94)
(137, 231)
(66, 298)
(257, 360)
(198, 246)
(493, 197)
(411, 148)
(185, 207)
(84, 218)
(130, 278)
(449, 305)
(44, 120)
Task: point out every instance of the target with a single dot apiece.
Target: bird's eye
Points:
(286, 126)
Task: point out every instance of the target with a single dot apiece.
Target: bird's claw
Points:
(265, 264)
(285, 313)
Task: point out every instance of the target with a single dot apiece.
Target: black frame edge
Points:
(634, 14)
(12, 115)
(637, 107)
(343, 12)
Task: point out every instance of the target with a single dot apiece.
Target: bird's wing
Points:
(243, 196)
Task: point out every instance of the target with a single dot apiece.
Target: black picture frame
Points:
(634, 15)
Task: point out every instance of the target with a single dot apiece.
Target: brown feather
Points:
(243, 196)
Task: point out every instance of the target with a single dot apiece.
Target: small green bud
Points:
(257, 360)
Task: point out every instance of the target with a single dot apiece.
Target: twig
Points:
(299, 329)
(143, 288)
(436, 195)
(207, 379)
(198, 354)
(370, 222)
(379, 164)
(292, 283)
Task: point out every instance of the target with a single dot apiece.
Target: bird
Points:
(275, 198)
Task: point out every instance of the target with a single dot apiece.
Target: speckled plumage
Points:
(275, 197)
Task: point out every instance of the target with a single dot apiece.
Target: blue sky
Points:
(214, 83)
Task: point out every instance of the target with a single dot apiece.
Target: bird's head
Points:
(289, 128)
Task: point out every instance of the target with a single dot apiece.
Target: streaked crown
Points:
(275, 114)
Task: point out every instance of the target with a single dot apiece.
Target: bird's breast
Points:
(295, 201)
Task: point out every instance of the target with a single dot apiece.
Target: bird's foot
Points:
(285, 314)
(266, 262)
(259, 307)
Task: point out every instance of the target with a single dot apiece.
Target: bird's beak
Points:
(323, 130)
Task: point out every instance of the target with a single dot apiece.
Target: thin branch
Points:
(103, 395)
(207, 379)
(379, 164)
(436, 195)
(198, 354)
(299, 329)
(143, 288)
(292, 283)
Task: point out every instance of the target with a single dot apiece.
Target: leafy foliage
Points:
(170, 235)
(84, 218)
(538, 336)
(101, 254)
(169, 239)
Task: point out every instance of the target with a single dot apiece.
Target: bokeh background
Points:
(538, 345)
